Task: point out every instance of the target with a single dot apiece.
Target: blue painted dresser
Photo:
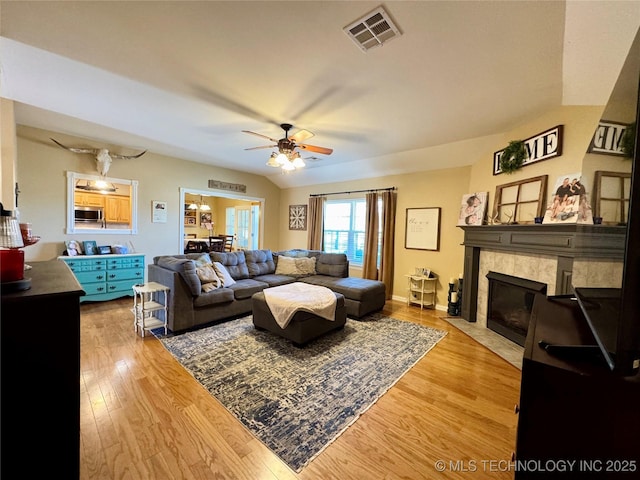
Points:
(105, 277)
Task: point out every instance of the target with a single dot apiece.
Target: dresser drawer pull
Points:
(99, 277)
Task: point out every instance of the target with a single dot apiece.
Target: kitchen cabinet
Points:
(89, 199)
(117, 209)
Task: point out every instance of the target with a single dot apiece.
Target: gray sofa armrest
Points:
(180, 299)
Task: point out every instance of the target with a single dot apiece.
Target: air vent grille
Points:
(372, 30)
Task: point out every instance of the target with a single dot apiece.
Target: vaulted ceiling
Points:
(185, 78)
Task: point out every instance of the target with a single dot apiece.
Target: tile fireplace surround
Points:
(558, 255)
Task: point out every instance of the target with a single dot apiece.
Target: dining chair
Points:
(216, 243)
(228, 243)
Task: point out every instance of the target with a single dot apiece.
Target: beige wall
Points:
(42, 167)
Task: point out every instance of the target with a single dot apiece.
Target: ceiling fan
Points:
(287, 157)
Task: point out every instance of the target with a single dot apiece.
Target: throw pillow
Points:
(208, 275)
(207, 287)
(203, 259)
(223, 274)
(296, 267)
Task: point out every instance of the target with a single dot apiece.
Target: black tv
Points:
(613, 314)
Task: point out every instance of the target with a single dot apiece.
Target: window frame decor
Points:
(498, 205)
(622, 200)
(422, 229)
(297, 217)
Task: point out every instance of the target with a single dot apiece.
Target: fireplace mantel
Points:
(563, 242)
(593, 241)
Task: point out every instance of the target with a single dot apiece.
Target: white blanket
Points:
(284, 301)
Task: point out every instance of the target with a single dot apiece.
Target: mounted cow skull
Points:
(103, 157)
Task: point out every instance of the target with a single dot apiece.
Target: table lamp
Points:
(11, 257)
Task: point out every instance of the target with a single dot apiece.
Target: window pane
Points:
(337, 216)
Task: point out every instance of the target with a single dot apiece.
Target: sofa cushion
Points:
(275, 280)
(294, 253)
(235, 263)
(333, 264)
(185, 267)
(353, 288)
(296, 266)
(214, 297)
(246, 287)
(260, 262)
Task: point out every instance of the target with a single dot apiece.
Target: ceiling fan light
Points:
(282, 159)
(298, 162)
(288, 166)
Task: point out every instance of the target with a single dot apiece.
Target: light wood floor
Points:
(144, 417)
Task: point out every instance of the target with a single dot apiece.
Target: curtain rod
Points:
(354, 191)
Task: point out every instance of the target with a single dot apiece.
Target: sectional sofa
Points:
(252, 271)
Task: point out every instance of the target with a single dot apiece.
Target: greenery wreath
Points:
(513, 156)
(627, 143)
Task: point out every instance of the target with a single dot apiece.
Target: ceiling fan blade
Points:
(260, 135)
(301, 136)
(313, 148)
(264, 146)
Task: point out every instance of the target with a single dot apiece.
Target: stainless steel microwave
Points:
(89, 214)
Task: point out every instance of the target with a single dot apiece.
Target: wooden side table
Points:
(421, 290)
(150, 307)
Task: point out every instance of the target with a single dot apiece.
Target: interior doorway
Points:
(230, 214)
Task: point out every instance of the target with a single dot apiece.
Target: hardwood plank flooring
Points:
(144, 417)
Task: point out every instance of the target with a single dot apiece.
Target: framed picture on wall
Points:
(422, 229)
(297, 217)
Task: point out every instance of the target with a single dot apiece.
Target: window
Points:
(344, 222)
(98, 205)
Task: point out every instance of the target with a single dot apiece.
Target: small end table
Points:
(149, 302)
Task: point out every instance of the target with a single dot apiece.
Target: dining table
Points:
(201, 240)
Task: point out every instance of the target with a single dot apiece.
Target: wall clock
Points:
(297, 217)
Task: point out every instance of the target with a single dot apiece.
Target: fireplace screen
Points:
(510, 303)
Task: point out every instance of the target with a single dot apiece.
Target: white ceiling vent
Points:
(372, 30)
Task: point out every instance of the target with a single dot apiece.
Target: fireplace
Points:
(509, 305)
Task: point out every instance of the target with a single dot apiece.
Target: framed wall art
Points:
(297, 217)
(422, 230)
(158, 211)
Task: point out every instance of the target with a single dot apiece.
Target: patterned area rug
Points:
(298, 400)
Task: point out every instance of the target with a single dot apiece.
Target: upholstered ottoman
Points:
(303, 327)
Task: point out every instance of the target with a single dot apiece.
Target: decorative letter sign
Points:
(606, 140)
(540, 147)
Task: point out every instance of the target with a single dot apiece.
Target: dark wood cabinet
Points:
(40, 402)
(577, 420)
